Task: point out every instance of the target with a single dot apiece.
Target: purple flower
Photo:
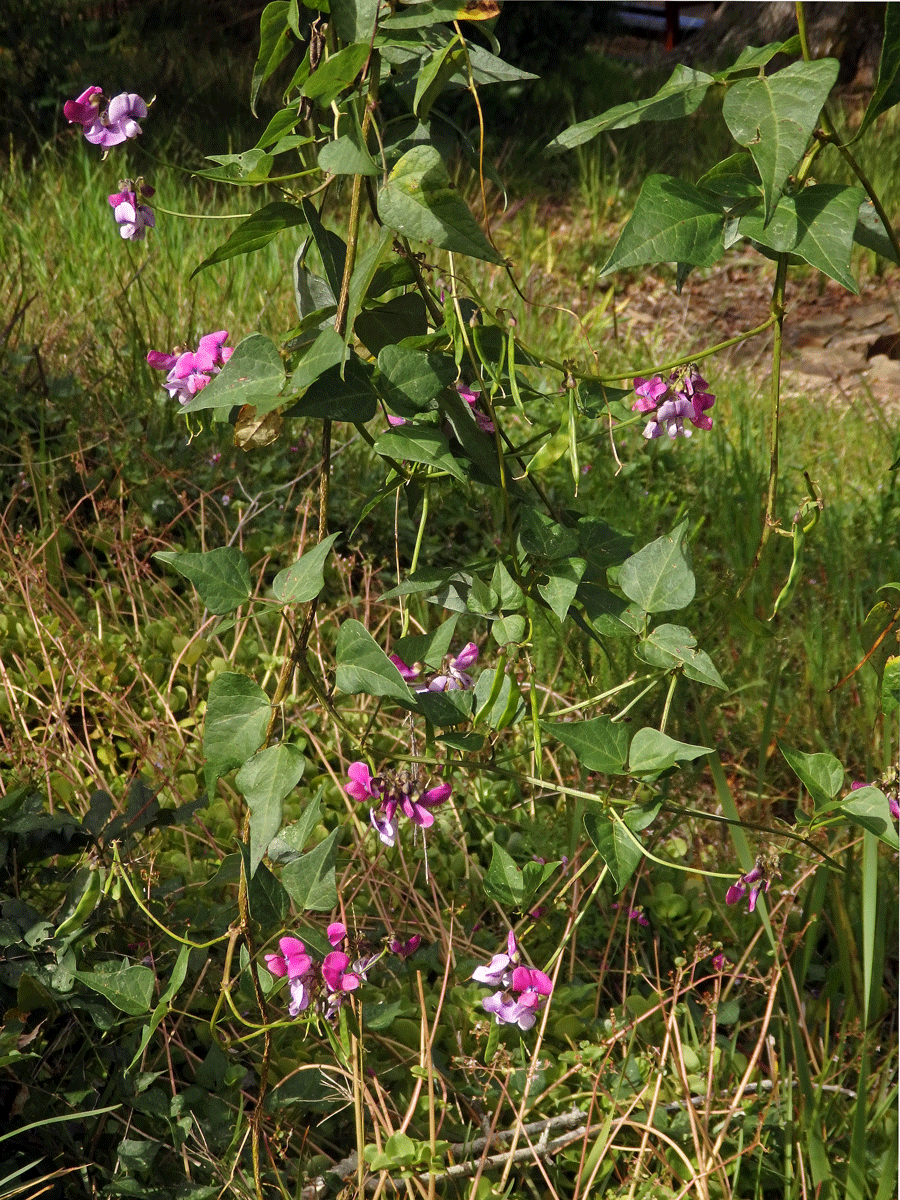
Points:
(635, 914)
(499, 969)
(519, 1004)
(482, 419)
(757, 880)
(408, 673)
(84, 110)
(132, 217)
(117, 123)
(294, 962)
(395, 790)
(672, 403)
(407, 948)
(190, 371)
(336, 932)
(455, 677)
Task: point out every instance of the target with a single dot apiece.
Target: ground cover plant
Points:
(448, 748)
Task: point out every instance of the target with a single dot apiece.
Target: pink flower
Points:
(396, 790)
(758, 880)
(674, 402)
(455, 677)
(407, 672)
(520, 1003)
(499, 969)
(407, 948)
(336, 932)
(119, 122)
(294, 962)
(132, 217)
(361, 785)
(190, 371)
(84, 110)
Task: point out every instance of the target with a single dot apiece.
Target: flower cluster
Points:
(395, 791)
(525, 988)
(327, 983)
(758, 880)
(132, 216)
(191, 370)
(452, 677)
(106, 126)
(683, 397)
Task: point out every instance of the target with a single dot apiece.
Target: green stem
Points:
(769, 520)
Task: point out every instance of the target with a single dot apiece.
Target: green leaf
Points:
(312, 293)
(658, 577)
(254, 233)
(309, 881)
(420, 202)
(130, 989)
(774, 117)
(890, 686)
(562, 583)
(351, 398)
(411, 380)
(508, 706)
(347, 155)
(871, 233)
(679, 97)
(887, 89)
(869, 808)
(671, 647)
(269, 902)
(253, 375)
(427, 648)
(327, 351)
(620, 851)
(284, 122)
(237, 717)
(429, 12)
(821, 774)
(503, 882)
(303, 580)
(599, 744)
(652, 751)
(251, 166)
(331, 77)
(221, 577)
(362, 666)
(419, 444)
(264, 780)
(354, 20)
(818, 224)
(274, 45)
(386, 324)
(672, 221)
(434, 75)
(443, 708)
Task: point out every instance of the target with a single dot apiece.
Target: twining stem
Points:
(770, 521)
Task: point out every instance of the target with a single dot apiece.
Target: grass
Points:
(688, 1077)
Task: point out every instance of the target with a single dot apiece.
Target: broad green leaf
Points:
(331, 77)
(291, 841)
(597, 399)
(284, 122)
(367, 267)
(326, 352)
(312, 293)
(652, 751)
(443, 708)
(419, 444)
(599, 744)
(420, 202)
(543, 538)
(672, 221)
(347, 155)
(237, 717)
(130, 989)
(821, 774)
(870, 232)
(253, 375)
(818, 224)
(309, 881)
(331, 247)
(488, 68)
(351, 398)
(679, 97)
(411, 380)
(869, 808)
(264, 780)
(427, 648)
(386, 324)
(252, 166)
(564, 576)
(303, 580)
(658, 577)
(268, 901)
(432, 12)
(503, 881)
(887, 89)
(254, 233)
(434, 76)
(362, 666)
(274, 45)
(354, 20)
(509, 630)
(221, 577)
(673, 646)
(620, 851)
(774, 117)
(753, 57)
